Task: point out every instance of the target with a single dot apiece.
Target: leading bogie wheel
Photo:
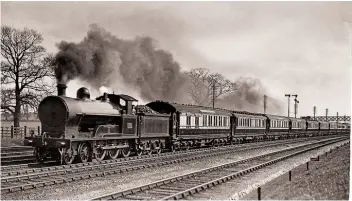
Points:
(68, 156)
(38, 156)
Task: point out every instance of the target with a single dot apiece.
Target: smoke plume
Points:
(249, 96)
(135, 67)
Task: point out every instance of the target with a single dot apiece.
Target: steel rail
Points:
(9, 170)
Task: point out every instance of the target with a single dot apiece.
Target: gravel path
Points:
(88, 189)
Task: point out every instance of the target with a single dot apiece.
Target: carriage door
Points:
(233, 124)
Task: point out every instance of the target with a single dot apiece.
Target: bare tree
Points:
(27, 74)
(203, 84)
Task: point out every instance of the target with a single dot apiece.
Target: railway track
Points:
(27, 179)
(180, 187)
(15, 170)
(16, 155)
(16, 149)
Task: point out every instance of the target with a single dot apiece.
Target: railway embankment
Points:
(325, 179)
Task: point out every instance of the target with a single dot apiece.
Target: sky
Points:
(300, 48)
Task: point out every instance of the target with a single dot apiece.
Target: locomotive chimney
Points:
(61, 89)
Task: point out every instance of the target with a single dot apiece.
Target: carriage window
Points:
(197, 122)
(204, 120)
(215, 121)
(188, 121)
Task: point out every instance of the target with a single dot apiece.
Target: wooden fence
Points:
(19, 132)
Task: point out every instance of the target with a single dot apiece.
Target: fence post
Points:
(289, 175)
(307, 165)
(11, 131)
(38, 130)
(259, 193)
(25, 131)
(2, 132)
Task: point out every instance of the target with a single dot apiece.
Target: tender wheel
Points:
(139, 151)
(160, 145)
(126, 152)
(149, 147)
(68, 156)
(99, 154)
(114, 153)
(84, 153)
(157, 147)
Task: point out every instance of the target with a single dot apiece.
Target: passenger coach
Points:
(196, 125)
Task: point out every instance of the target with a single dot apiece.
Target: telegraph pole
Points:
(214, 94)
(337, 117)
(288, 107)
(314, 110)
(265, 99)
(326, 114)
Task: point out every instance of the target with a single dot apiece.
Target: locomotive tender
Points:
(80, 129)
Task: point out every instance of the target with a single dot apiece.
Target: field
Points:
(17, 141)
(326, 179)
(22, 123)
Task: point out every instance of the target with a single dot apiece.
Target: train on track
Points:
(81, 129)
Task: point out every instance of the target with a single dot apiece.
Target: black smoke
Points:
(249, 96)
(102, 59)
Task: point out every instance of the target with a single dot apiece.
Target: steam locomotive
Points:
(81, 129)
